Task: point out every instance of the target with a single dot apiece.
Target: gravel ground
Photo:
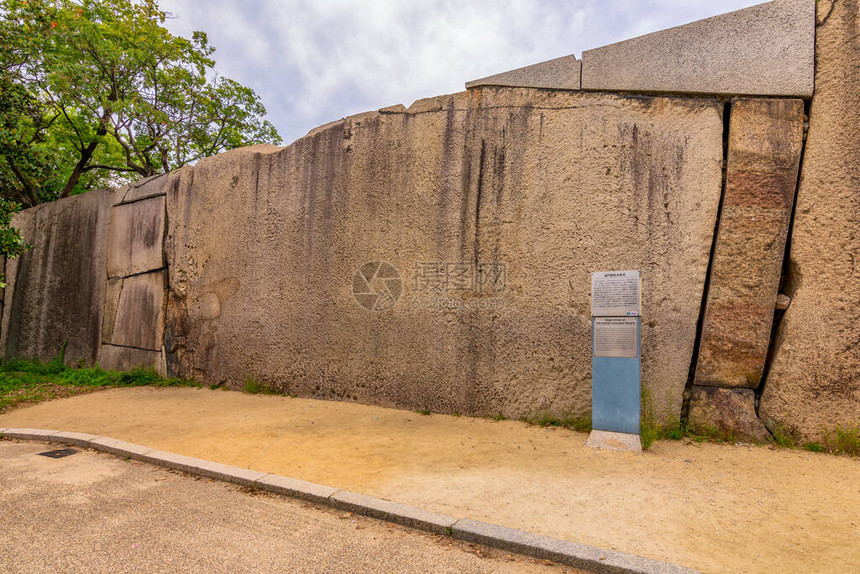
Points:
(90, 512)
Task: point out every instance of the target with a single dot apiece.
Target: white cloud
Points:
(315, 61)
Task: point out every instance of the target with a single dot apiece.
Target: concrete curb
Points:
(392, 512)
(573, 554)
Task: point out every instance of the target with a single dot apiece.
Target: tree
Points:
(99, 92)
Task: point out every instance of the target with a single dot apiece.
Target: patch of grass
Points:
(580, 423)
(252, 386)
(425, 412)
(498, 417)
(813, 447)
(651, 430)
(782, 437)
(255, 387)
(35, 381)
(668, 427)
(843, 440)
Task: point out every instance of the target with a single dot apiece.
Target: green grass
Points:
(35, 381)
(254, 387)
(425, 412)
(843, 440)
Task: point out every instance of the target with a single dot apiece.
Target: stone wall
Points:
(55, 290)
(264, 244)
(814, 382)
(439, 256)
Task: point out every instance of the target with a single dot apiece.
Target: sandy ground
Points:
(91, 512)
(716, 508)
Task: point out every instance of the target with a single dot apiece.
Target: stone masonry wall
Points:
(814, 381)
(264, 243)
(439, 256)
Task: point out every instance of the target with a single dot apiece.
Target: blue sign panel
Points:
(616, 387)
(616, 354)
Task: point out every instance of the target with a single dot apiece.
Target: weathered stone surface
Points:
(149, 187)
(55, 291)
(113, 289)
(765, 50)
(264, 243)
(726, 413)
(136, 238)
(117, 358)
(140, 312)
(765, 141)
(559, 74)
(814, 381)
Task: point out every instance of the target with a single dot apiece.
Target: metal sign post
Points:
(616, 359)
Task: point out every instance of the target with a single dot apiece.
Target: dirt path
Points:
(712, 507)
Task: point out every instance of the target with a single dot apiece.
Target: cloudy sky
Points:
(314, 61)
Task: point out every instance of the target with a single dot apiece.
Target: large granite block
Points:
(764, 50)
(264, 245)
(765, 142)
(149, 187)
(117, 358)
(135, 243)
(140, 312)
(725, 413)
(55, 290)
(559, 74)
(814, 382)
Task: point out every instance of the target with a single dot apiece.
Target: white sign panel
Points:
(615, 294)
(615, 337)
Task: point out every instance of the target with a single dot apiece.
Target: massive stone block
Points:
(125, 358)
(559, 74)
(149, 187)
(814, 381)
(136, 238)
(765, 50)
(765, 141)
(725, 413)
(264, 246)
(55, 290)
(139, 319)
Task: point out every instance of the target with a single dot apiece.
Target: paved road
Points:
(91, 512)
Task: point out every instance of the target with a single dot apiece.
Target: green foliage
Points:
(425, 412)
(34, 381)
(95, 92)
(498, 417)
(11, 242)
(572, 422)
(255, 387)
(813, 447)
(650, 429)
(783, 437)
(843, 440)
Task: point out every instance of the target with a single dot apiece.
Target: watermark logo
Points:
(446, 286)
(377, 286)
(443, 277)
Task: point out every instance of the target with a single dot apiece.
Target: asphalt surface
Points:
(91, 512)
